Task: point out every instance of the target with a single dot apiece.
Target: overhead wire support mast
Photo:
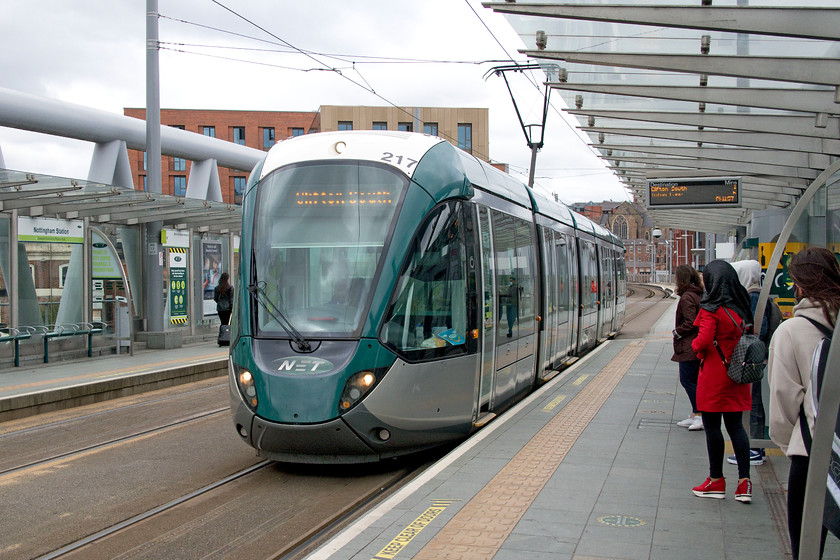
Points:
(527, 129)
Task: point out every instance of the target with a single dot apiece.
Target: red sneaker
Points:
(711, 489)
(744, 491)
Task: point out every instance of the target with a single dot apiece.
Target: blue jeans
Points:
(688, 379)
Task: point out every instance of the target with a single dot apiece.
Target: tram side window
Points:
(563, 276)
(513, 241)
(589, 267)
(427, 317)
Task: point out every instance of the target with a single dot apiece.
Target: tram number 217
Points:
(391, 158)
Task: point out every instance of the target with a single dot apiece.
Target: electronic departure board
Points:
(701, 192)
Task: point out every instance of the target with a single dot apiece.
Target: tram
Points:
(396, 293)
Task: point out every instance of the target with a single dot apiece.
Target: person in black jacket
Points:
(223, 296)
(690, 289)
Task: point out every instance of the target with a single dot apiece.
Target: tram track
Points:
(650, 293)
(72, 547)
(217, 502)
(105, 444)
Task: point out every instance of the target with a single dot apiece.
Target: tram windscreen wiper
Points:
(257, 291)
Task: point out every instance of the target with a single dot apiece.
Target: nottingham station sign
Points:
(701, 192)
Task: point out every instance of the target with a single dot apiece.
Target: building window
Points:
(239, 135)
(179, 164)
(144, 161)
(380, 126)
(620, 227)
(465, 137)
(179, 185)
(209, 131)
(405, 127)
(268, 137)
(430, 128)
(62, 274)
(238, 189)
(178, 126)
(297, 131)
(345, 125)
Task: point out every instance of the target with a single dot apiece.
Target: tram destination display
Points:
(703, 192)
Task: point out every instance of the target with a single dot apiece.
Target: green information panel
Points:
(177, 286)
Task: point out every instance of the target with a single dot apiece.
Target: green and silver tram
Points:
(395, 293)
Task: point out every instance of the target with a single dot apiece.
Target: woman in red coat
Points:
(724, 315)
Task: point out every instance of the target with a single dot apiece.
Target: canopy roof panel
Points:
(677, 89)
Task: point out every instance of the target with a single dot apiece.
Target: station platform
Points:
(38, 388)
(591, 466)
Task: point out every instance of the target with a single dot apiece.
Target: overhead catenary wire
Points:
(326, 66)
(346, 62)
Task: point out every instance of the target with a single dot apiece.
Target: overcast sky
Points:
(247, 55)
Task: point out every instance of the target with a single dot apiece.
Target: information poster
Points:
(782, 287)
(177, 286)
(211, 257)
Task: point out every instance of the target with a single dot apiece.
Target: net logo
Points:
(304, 365)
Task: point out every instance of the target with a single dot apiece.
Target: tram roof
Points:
(673, 89)
(48, 196)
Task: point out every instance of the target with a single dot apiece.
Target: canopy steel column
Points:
(153, 273)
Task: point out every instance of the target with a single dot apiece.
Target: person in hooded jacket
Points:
(749, 274)
(690, 290)
(816, 277)
(724, 315)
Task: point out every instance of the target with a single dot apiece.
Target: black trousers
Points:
(715, 444)
(797, 479)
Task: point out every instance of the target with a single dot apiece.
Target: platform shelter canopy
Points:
(38, 195)
(696, 88)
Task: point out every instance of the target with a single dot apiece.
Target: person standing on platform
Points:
(690, 290)
(749, 274)
(223, 296)
(816, 277)
(724, 315)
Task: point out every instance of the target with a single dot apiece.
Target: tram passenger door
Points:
(607, 295)
(487, 288)
(589, 295)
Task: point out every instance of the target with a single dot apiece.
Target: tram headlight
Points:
(247, 388)
(356, 387)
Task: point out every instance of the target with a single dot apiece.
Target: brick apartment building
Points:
(466, 128)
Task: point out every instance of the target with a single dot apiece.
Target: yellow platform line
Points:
(481, 527)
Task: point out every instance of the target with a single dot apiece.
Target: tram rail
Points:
(114, 441)
(655, 293)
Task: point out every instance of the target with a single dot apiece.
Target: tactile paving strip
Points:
(481, 527)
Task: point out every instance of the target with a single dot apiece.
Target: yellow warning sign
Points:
(400, 541)
(550, 406)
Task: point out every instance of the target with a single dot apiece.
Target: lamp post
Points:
(669, 260)
(655, 235)
(686, 236)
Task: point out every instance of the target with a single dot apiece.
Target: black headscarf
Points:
(724, 289)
